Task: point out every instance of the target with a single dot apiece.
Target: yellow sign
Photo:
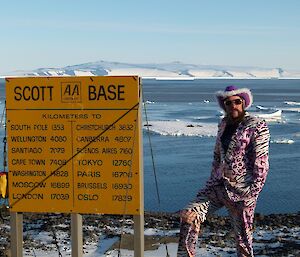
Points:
(74, 144)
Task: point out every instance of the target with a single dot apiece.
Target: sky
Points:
(57, 33)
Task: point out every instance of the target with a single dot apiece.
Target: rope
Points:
(153, 166)
(3, 119)
(54, 236)
(3, 113)
(152, 155)
(29, 235)
(4, 138)
(34, 254)
(128, 181)
(50, 223)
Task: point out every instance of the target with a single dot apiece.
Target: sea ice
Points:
(182, 128)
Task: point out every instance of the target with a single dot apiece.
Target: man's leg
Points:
(189, 231)
(242, 220)
(188, 238)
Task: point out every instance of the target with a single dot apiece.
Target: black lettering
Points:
(34, 93)
(120, 92)
(90, 162)
(24, 95)
(20, 127)
(68, 90)
(18, 94)
(37, 162)
(29, 184)
(59, 196)
(60, 185)
(92, 92)
(113, 92)
(101, 92)
(28, 196)
(93, 174)
(88, 197)
(111, 89)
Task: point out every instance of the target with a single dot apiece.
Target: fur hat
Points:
(244, 93)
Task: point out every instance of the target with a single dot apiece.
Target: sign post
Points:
(139, 218)
(75, 145)
(76, 235)
(16, 226)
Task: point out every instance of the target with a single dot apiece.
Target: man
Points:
(239, 170)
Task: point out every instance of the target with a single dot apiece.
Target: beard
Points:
(236, 115)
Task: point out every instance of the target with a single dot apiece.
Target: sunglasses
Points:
(235, 101)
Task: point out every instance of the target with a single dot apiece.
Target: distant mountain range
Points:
(172, 70)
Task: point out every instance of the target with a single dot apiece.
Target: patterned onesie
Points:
(238, 175)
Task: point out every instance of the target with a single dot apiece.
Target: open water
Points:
(183, 162)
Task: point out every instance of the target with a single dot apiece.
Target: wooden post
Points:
(16, 234)
(76, 235)
(138, 235)
(139, 242)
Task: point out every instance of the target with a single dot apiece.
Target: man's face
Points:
(234, 107)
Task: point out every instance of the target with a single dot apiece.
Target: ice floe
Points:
(292, 103)
(269, 117)
(260, 107)
(182, 128)
(291, 109)
(283, 141)
(149, 102)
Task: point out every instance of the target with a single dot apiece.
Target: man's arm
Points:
(215, 175)
(193, 206)
(260, 141)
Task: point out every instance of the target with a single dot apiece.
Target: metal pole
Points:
(76, 235)
(16, 234)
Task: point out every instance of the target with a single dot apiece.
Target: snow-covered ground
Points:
(275, 235)
(269, 239)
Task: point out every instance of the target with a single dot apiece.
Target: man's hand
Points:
(188, 216)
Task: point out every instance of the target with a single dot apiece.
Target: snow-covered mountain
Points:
(172, 70)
